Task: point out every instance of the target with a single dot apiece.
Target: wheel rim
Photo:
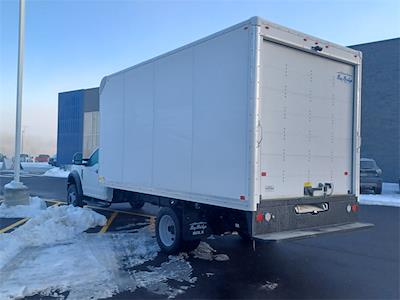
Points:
(71, 198)
(167, 230)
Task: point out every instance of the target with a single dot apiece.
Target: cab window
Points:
(94, 158)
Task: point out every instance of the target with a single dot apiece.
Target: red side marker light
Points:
(354, 207)
(263, 173)
(242, 197)
(346, 173)
(259, 217)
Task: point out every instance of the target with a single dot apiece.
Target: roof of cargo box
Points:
(254, 21)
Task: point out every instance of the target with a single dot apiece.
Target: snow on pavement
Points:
(390, 196)
(56, 172)
(36, 206)
(51, 255)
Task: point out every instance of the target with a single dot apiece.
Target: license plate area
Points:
(311, 208)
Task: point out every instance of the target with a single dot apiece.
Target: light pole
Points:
(16, 192)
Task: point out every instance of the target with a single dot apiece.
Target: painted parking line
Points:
(54, 201)
(109, 221)
(20, 222)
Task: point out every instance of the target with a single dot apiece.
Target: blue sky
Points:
(73, 44)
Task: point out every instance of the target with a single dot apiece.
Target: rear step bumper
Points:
(310, 232)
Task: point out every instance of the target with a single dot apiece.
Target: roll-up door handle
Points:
(259, 133)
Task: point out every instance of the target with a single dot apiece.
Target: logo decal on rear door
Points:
(269, 188)
(344, 77)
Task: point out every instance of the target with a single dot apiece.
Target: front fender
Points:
(74, 178)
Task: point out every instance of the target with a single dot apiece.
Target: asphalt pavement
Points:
(353, 265)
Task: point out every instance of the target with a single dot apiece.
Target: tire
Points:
(190, 245)
(73, 196)
(168, 231)
(246, 238)
(378, 190)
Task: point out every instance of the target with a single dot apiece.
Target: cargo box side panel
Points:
(177, 126)
(111, 158)
(172, 136)
(220, 163)
(307, 122)
(139, 122)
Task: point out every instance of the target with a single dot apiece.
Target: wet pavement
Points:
(358, 265)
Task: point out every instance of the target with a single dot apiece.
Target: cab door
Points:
(91, 185)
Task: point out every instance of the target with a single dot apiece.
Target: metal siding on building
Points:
(380, 123)
(91, 100)
(70, 125)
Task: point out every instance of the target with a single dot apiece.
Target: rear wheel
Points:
(246, 238)
(168, 231)
(73, 196)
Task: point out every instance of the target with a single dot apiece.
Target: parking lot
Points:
(361, 264)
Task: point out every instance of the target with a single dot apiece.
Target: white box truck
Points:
(254, 129)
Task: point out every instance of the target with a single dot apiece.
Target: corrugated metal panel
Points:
(90, 132)
(380, 109)
(91, 102)
(70, 125)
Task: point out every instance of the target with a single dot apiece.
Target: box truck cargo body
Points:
(258, 119)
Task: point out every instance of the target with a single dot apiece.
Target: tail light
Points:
(259, 217)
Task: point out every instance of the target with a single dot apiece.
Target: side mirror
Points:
(77, 158)
(379, 172)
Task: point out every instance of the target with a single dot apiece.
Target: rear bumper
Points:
(297, 218)
(310, 232)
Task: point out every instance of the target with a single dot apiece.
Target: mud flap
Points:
(310, 232)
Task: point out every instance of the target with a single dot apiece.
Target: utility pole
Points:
(16, 192)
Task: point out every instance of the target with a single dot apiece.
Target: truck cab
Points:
(85, 185)
(84, 181)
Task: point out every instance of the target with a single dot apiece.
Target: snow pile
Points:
(390, 196)
(51, 255)
(56, 172)
(86, 267)
(35, 207)
(35, 165)
(50, 226)
(206, 252)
